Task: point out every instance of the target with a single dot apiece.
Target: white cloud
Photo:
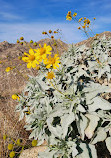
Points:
(104, 20)
(9, 16)
(71, 34)
(7, 11)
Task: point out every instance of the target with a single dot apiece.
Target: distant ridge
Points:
(91, 39)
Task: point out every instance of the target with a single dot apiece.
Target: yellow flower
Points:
(94, 18)
(8, 69)
(52, 61)
(85, 21)
(18, 141)
(80, 19)
(34, 142)
(75, 14)
(88, 21)
(50, 75)
(4, 137)
(21, 43)
(97, 34)
(55, 32)
(50, 31)
(55, 44)
(69, 16)
(52, 36)
(79, 28)
(18, 41)
(84, 18)
(31, 41)
(10, 146)
(43, 51)
(35, 44)
(12, 154)
(84, 27)
(44, 33)
(31, 59)
(15, 97)
(21, 38)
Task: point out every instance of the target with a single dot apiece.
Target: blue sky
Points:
(29, 18)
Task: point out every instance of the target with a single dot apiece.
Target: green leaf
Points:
(88, 152)
(66, 120)
(99, 103)
(93, 122)
(56, 131)
(83, 125)
(100, 136)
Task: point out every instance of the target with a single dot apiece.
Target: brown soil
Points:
(14, 81)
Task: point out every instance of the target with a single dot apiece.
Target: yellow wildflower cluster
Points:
(42, 54)
(69, 16)
(20, 40)
(52, 61)
(83, 21)
(13, 145)
(86, 23)
(50, 32)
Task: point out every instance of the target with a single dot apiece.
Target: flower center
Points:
(52, 60)
(42, 51)
(32, 57)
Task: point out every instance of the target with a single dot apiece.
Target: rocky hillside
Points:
(14, 81)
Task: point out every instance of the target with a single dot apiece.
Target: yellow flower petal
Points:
(57, 62)
(14, 96)
(33, 64)
(44, 56)
(29, 65)
(54, 67)
(48, 66)
(49, 48)
(26, 54)
(25, 59)
(31, 52)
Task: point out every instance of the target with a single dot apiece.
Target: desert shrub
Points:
(67, 109)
